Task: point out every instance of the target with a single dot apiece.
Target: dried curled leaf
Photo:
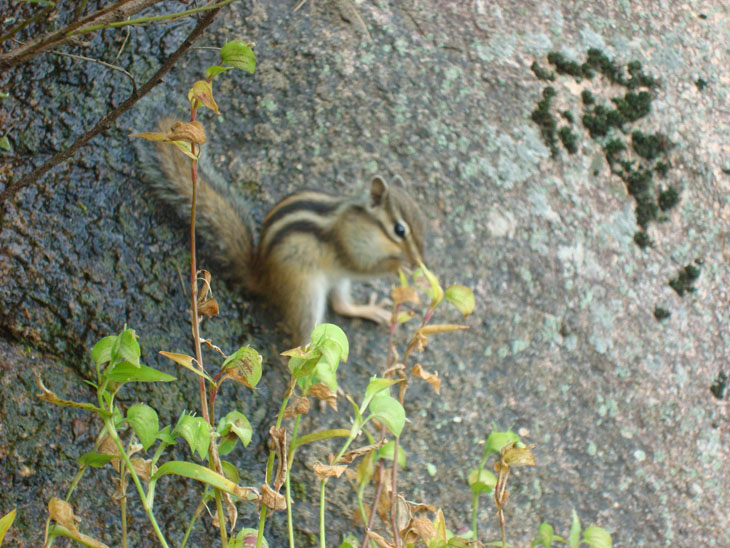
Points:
(418, 528)
(63, 513)
(324, 393)
(350, 456)
(324, 471)
(379, 540)
(300, 407)
(405, 294)
(278, 440)
(518, 456)
(208, 307)
(143, 468)
(202, 94)
(272, 499)
(192, 132)
(441, 328)
(108, 447)
(430, 378)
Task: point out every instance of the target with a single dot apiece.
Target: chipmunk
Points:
(311, 244)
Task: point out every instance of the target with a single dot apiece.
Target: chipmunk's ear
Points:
(378, 191)
(399, 182)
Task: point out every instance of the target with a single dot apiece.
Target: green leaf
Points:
(327, 375)
(213, 71)
(205, 475)
(59, 530)
(319, 436)
(128, 346)
(350, 541)
(386, 452)
(433, 288)
(301, 367)
(234, 426)
(375, 386)
(143, 420)
(5, 144)
(497, 440)
(128, 372)
(5, 522)
(574, 537)
(102, 351)
(482, 481)
(329, 331)
(239, 54)
(244, 366)
(597, 537)
(331, 352)
(195, 431)
(165, 436)
(389, 411)
(247, 538)
(95, 460)
(461, 297)
(545, 535)
(230, 471)
(117, 417)
(459, 542)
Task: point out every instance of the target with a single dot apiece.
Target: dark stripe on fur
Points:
(304, 205)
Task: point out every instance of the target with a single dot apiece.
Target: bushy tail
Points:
(220, 217)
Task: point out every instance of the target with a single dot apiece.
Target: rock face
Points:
(564, 345)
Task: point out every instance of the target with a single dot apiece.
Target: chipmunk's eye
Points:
(399, 230)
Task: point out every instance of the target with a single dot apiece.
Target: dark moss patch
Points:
(684, 282)
(646, 210)
(641, 238)
(701, 84)
(599, 61)
(545, 120)
(661, 169)
(569, 139)
(541, 73)
(563, 65)
(719, 386)
(638, 78)
(587, 97)
(612, 149)
(661, 313)
(650, 146)
(668, 198)
(633, 106)
(638, 182)
(600, 120)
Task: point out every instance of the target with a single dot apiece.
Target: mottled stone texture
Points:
(564, 345)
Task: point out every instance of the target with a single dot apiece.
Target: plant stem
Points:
(270, 465)
(141, 20)
(194, 321)
(287, 483)
(147, 508)
(123, 504)
(394, 487)
(221, 519)
(474, 511)
(322, 543)
(192, 522)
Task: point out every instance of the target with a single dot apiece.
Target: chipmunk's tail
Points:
(221, 218)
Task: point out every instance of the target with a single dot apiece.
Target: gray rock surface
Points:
(563, 348)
